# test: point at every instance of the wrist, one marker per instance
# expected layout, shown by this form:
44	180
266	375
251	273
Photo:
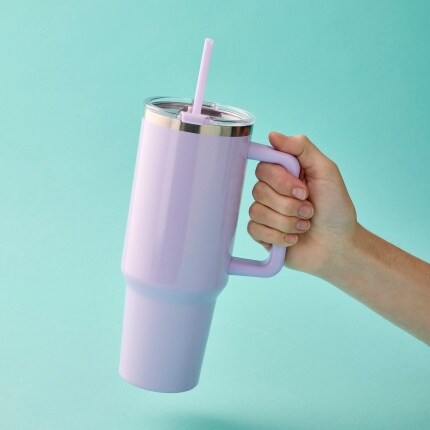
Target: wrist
342	255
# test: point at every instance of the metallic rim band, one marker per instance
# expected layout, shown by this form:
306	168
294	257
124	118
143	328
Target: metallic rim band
209	130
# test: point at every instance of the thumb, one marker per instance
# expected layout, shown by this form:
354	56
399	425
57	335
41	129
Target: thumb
309	156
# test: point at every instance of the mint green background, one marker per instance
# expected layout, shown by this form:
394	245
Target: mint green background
290	352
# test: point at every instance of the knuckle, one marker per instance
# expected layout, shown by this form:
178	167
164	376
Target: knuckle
288	207
280	183
334	166
258	190
259	170
255	191
253	210
272	175
251	228
277	182
275	237
330	166
287	225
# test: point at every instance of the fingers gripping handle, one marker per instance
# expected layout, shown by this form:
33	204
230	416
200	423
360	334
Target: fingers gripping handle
266	153
274	262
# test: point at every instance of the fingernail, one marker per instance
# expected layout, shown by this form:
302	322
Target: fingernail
306	211
290	239
303	225
299	193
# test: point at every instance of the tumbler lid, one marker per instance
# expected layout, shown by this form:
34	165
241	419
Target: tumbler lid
221	120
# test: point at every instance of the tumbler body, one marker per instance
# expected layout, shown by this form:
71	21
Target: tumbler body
179	238
183	211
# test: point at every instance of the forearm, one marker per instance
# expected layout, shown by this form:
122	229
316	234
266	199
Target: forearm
386	279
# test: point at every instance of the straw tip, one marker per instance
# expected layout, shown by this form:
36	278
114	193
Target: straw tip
209	41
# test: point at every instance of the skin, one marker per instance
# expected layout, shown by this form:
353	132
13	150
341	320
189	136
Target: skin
315	217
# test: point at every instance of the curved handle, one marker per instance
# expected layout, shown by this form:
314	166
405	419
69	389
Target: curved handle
274	262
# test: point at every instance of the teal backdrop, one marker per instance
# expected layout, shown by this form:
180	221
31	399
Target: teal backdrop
291	352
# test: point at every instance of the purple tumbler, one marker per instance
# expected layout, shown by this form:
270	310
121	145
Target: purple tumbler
180	232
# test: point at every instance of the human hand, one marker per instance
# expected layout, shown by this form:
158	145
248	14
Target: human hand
313	213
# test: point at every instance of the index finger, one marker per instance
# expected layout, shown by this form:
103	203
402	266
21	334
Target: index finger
281	180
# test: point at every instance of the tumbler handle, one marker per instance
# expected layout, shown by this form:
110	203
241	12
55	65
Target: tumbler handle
274	262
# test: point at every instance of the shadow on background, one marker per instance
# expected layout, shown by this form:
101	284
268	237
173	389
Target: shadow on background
211	422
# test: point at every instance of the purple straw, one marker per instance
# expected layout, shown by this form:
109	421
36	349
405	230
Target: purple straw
203	74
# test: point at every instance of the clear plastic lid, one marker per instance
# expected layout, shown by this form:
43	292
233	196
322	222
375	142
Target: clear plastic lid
217	115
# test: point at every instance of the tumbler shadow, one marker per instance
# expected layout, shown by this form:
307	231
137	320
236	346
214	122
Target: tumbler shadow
213	422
